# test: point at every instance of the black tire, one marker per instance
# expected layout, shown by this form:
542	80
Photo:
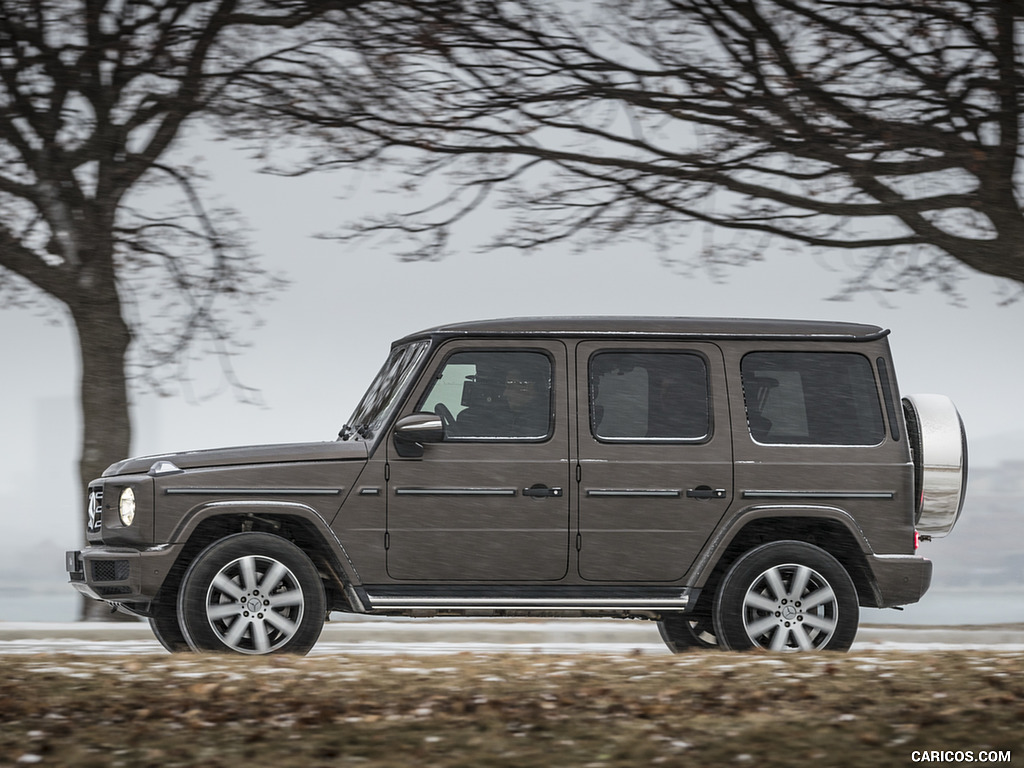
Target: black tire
684	632
786	596
164	623
252	593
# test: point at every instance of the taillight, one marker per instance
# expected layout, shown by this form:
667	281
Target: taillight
917	540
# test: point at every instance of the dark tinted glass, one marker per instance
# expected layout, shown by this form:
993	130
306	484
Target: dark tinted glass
811	398
493	395
649	395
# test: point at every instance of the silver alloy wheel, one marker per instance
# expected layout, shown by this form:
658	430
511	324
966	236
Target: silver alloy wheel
790	607
254	604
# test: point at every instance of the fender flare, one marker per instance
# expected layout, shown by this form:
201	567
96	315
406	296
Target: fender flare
724	536
266	507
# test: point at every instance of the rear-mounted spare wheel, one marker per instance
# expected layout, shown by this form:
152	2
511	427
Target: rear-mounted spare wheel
939	445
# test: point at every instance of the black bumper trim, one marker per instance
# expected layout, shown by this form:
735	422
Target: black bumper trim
899	579
118	574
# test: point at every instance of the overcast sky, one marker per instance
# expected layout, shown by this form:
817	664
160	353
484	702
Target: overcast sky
324	338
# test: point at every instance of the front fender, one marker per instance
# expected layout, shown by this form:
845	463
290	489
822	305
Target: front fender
271	509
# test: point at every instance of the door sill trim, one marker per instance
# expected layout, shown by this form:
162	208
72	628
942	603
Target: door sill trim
569	599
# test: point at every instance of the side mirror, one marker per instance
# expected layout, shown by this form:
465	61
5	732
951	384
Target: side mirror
415	429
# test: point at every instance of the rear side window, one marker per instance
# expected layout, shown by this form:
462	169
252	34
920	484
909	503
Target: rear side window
811	398
649	396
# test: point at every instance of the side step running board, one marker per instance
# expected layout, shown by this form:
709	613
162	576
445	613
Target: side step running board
518	599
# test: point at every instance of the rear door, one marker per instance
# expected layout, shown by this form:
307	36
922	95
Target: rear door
655	457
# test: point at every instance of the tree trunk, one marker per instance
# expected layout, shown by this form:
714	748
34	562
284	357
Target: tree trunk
103	341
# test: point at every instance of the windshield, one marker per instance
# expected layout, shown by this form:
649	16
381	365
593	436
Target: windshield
383	395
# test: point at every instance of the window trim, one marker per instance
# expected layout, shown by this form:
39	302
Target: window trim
887	395
883	431
461	350
705	438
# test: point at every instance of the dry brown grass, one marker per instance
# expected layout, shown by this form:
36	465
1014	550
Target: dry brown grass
472	710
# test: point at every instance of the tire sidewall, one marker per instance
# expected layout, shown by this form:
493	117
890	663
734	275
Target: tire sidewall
167	630
678	634
728	607
192	614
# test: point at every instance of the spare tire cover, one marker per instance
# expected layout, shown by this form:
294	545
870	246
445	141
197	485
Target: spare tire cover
939	443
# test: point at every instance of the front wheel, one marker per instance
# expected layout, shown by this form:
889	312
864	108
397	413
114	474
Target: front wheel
786	596
165	626
683	632
252	593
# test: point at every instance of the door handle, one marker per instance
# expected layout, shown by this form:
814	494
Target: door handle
705	492
541	491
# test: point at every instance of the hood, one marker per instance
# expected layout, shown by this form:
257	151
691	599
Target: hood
249	454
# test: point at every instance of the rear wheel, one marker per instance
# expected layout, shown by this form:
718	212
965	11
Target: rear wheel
786	596
252	593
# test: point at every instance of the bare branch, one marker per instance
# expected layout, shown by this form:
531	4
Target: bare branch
838	125
93	96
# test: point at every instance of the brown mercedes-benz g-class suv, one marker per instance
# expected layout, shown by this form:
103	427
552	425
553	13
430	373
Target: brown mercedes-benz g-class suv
744	483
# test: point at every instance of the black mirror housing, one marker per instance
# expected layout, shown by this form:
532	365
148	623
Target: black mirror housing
412	431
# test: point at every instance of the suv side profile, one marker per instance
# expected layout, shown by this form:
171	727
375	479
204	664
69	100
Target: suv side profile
744	483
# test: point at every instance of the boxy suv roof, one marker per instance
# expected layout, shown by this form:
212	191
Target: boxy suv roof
675	327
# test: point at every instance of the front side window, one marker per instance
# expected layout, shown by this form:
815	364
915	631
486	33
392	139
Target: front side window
649	396
811	398
490	395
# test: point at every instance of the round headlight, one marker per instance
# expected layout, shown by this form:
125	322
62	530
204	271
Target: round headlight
126	506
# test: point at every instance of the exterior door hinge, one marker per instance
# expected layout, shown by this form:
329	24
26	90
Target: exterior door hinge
387	471
579	473
579	542
387	540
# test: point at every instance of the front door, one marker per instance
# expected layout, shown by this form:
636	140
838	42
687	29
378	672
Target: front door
655	457
490	502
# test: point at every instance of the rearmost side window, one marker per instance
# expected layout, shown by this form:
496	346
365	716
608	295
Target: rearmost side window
811	398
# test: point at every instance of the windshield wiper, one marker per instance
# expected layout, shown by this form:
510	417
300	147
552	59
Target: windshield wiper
345	433
364	431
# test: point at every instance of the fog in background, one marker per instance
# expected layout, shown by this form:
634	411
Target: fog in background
322	340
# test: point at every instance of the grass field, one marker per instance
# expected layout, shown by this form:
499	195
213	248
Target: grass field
515	710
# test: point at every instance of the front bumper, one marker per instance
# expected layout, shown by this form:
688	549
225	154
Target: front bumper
899	579
120	574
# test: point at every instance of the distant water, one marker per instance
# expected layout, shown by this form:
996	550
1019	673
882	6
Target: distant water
955	607
939	607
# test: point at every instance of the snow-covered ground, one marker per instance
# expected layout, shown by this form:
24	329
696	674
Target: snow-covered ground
432	636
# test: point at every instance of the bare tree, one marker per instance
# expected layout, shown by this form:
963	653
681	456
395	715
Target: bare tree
94	216
885	129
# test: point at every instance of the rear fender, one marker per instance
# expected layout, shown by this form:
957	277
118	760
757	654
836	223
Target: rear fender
777	522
